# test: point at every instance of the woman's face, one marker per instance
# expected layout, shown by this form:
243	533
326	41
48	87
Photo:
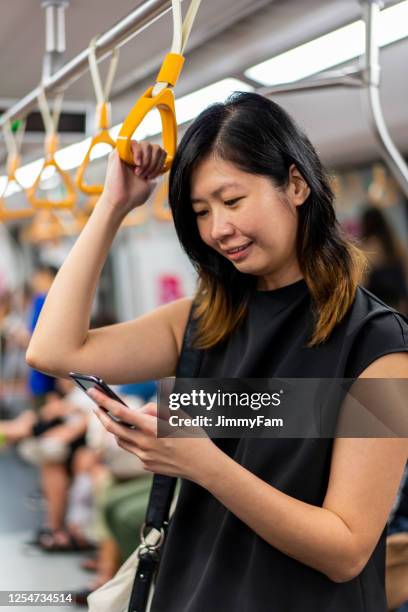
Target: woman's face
249	221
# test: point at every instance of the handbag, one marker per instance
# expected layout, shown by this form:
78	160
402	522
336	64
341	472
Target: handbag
127	591
115	595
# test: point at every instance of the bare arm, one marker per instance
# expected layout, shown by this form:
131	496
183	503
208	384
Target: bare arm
144	348
338	538
62	327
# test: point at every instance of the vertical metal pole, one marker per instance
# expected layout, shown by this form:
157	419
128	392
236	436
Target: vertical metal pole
54	36
371	79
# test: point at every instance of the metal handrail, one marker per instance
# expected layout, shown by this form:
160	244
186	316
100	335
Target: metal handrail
367	79
131	25
371	90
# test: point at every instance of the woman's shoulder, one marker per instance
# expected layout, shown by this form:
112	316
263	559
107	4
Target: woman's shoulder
375	330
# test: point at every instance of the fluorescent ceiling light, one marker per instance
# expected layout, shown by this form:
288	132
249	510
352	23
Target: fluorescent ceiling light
331	49
187	108
191	105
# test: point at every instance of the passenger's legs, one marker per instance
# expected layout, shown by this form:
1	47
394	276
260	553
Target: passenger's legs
55	483
17	429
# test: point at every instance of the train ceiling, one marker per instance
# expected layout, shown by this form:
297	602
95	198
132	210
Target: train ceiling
229	36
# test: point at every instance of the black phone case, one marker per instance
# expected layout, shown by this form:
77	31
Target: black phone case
95	381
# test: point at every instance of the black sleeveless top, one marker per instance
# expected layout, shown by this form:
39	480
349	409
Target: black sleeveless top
212	561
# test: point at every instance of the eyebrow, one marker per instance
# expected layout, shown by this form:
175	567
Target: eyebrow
216	192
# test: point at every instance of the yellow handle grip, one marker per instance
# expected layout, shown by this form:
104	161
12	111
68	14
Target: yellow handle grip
103	116
68	202
7	214
45	227
102	138
164	102
170	69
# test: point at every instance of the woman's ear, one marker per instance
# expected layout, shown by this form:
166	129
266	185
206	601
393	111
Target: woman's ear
298	190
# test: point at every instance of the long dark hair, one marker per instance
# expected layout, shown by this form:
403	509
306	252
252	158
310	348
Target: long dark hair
259	137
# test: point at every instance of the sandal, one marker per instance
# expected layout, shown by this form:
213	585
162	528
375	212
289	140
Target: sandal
39	534
90	564
61	540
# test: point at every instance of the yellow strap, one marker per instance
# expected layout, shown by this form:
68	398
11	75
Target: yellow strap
51	145
102	116
68	202
102	137
161	96
13	145
8	214
45	227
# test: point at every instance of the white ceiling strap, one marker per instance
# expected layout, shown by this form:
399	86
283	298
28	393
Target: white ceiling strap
181	33
102	92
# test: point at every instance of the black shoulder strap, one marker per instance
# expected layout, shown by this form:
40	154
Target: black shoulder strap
162	491
190	358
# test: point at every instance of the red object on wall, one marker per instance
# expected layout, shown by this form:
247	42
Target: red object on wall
170	288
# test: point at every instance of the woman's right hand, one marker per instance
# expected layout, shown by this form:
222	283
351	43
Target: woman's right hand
127	187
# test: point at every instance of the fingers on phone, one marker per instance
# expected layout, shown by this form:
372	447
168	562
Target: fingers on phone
149	159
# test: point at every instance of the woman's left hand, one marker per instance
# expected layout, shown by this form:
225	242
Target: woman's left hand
190	458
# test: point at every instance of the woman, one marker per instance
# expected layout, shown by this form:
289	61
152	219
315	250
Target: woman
388	274
285	524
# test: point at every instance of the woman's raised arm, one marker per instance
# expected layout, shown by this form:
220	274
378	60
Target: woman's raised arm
62	340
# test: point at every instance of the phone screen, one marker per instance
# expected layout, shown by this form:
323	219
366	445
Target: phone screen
88	381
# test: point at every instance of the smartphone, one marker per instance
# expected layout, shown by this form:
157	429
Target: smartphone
88	381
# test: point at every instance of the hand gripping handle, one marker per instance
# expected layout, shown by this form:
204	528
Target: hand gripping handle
164	102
